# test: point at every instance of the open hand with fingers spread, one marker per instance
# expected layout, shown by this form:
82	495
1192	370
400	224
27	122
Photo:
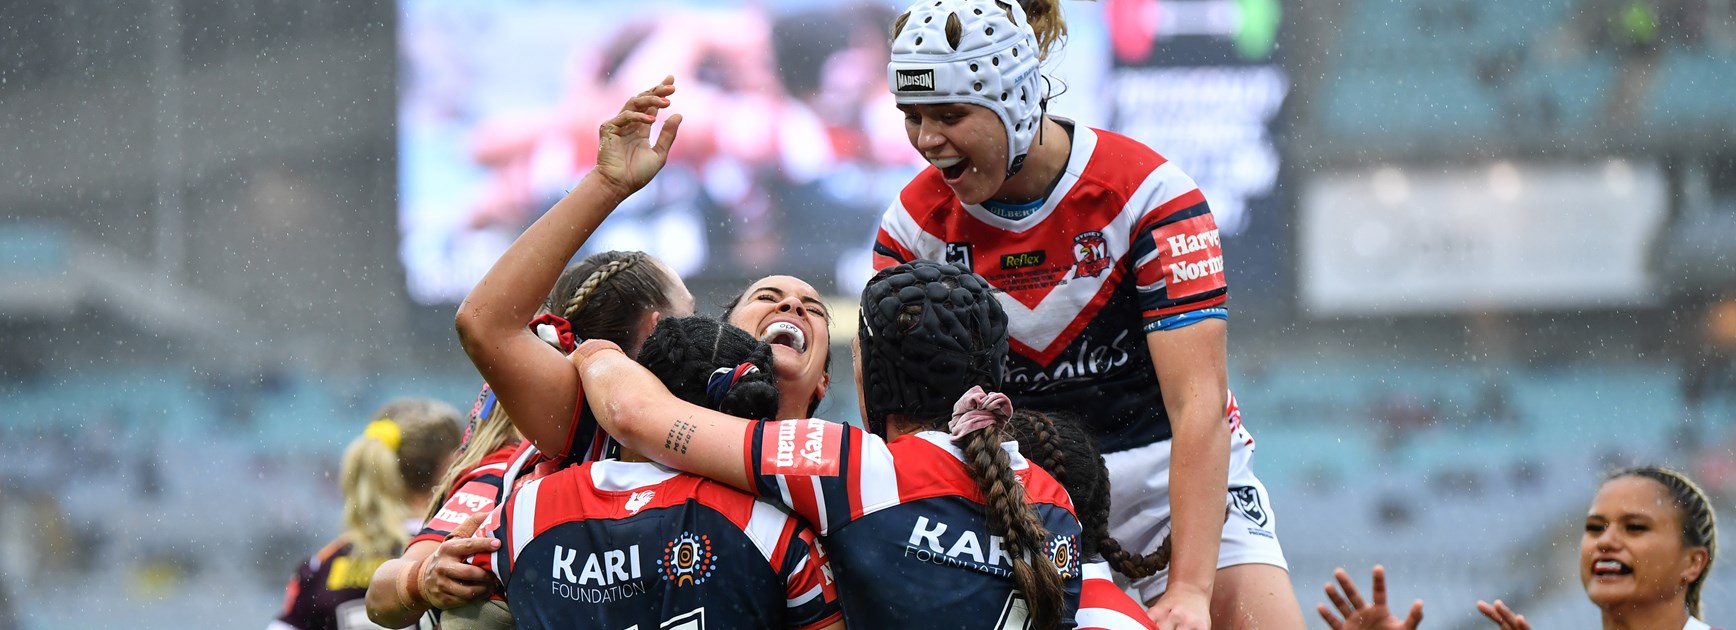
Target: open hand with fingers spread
1504	617
1358	614
626	160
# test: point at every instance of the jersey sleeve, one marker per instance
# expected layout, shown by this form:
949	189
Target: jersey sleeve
476	494
810	466
1176	255
890	243
811	600
499	563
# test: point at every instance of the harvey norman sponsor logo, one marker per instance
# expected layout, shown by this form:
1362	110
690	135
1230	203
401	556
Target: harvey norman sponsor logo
914	81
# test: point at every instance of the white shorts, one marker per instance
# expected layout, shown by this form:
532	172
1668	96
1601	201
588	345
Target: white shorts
1139	509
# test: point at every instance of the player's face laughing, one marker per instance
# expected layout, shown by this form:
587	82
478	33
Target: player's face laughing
789	314
967	143
1632	554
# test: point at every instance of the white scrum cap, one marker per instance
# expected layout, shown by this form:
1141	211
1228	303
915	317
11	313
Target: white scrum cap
994	65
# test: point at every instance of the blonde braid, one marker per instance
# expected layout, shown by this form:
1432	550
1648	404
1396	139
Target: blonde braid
597	278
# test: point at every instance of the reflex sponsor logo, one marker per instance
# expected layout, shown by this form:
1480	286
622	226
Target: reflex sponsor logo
1191	255
804	447
915	81
1023	259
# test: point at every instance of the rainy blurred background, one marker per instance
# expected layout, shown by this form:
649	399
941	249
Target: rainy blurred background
1480	251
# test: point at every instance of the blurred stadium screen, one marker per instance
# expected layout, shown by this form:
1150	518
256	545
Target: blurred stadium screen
791	147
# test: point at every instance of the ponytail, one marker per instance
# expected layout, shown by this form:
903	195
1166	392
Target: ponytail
374	491
1060	445
397	454
1006	509
1047	23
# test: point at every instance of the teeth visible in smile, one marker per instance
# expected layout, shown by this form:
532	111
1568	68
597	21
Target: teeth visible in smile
946	163
1608	566
787	334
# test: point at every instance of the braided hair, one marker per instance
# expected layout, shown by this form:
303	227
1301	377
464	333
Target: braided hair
1699	522
1062	446
686	353
606	295
929	332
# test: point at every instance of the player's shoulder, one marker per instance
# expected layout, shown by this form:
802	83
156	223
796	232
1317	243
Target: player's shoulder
926	193
1118	162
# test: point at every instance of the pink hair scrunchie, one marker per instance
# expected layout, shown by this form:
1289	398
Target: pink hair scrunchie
977	409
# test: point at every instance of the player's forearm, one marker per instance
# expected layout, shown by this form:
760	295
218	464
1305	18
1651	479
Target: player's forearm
512	290
1198	480
385	605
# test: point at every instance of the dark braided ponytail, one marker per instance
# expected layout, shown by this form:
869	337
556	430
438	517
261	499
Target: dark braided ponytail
1011	517
928	333
1059	444
687	352
1699	522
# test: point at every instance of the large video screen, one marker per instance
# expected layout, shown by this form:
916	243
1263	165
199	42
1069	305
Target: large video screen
791	147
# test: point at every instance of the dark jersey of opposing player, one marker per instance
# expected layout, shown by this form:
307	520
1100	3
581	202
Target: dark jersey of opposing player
1123	245
326	592
613	544
903	524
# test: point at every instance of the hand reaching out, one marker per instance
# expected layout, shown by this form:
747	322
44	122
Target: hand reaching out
1504	617
1359	615
625	158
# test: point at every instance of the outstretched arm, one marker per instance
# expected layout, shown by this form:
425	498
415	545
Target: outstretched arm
1190	364
636	409
537	387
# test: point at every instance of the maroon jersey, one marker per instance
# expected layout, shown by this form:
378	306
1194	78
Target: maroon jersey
326	592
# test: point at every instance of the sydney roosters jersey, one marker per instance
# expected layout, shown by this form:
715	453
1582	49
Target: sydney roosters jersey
475	492
903	524
613	544
1124	242
1104	606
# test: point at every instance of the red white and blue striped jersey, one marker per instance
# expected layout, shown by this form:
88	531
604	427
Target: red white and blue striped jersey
475	492
613	544
903	524
1104	606
1123	245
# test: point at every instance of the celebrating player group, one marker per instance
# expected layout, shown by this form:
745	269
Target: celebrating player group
1048	437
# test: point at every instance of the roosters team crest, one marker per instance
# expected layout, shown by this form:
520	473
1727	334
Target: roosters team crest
1092	253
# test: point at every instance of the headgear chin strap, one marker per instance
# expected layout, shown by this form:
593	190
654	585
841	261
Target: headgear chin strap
959	341
995	65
